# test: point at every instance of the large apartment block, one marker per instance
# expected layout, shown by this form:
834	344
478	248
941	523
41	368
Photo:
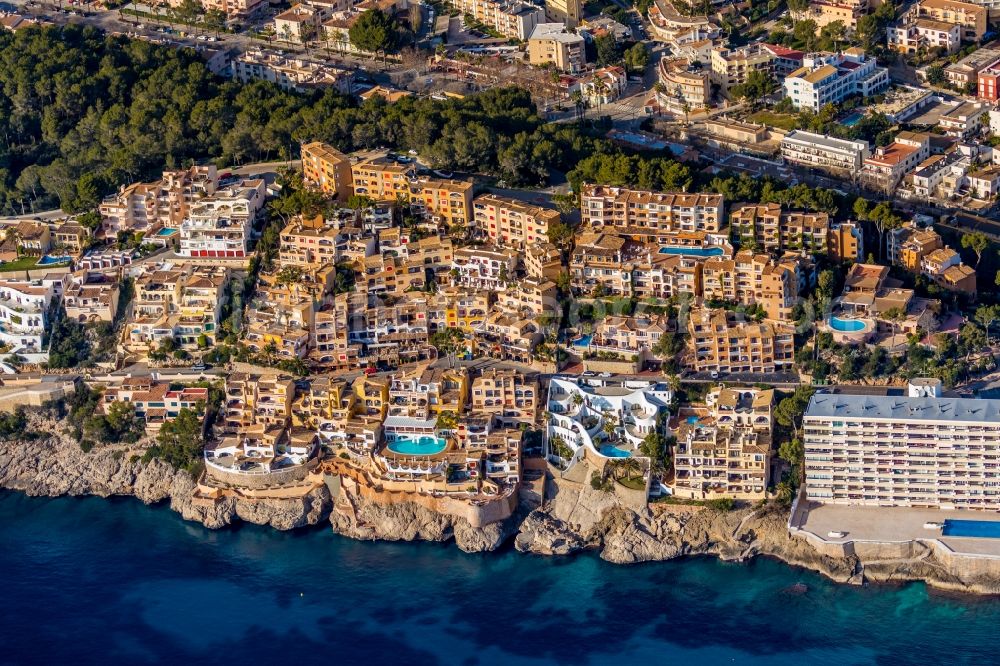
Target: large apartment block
511	18
554	43
776	230
327	169
724	448
220	226
506	395
826	153
972	18
753	279
919	450
725	343
445	201
829	78
731	67
162	203
567	12
650	215
510	222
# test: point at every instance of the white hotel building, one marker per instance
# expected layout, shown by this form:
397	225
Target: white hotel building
920	450
819	151
829	78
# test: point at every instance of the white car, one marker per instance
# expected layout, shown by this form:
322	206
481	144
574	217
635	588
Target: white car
202	38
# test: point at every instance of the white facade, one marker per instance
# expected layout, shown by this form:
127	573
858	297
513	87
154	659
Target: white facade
820	151
922	451
23	312
220	226
579	408
829	78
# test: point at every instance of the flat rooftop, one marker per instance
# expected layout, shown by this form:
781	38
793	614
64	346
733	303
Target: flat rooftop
903	408
892	524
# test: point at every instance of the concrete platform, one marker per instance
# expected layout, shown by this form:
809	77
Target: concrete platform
891	525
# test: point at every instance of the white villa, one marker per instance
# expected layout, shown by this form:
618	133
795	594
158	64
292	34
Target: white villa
23	309
579	408
261	451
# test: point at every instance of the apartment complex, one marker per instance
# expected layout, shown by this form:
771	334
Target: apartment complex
506	395
220	226
257	397
154	402
829	78
554	43
966	71
883	170
159	204
723	342
687	86
511	18
646	214
972	18
293	73
846	241
913	35
180	305
724	448
510	222
918	450
233	9
444	201
24	307
327	169
567	12
753	279
818	151
773	229
730	67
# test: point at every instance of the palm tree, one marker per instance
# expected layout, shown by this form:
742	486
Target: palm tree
14	235
894	316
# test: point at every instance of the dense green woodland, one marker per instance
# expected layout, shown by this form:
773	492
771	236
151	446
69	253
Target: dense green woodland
82	112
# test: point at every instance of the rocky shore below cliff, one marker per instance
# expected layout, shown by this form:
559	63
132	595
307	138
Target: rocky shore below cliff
574	519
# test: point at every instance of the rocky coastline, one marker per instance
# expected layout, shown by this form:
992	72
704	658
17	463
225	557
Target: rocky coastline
574	519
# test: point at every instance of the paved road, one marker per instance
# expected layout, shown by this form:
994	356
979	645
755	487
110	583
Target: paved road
121	22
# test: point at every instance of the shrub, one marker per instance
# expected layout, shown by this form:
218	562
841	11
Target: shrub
721	504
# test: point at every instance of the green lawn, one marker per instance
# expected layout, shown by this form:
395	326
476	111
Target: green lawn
785	121
633	482
20	264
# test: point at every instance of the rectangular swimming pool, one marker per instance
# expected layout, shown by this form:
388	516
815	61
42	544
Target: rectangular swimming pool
987	529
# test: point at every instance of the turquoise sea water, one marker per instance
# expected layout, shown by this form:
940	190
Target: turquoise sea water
91	581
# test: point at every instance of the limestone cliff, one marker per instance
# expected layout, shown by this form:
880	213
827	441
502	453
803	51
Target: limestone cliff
56	465
357	518
575	518
578	518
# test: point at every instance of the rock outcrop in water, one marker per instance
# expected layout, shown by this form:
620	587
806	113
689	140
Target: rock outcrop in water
575	517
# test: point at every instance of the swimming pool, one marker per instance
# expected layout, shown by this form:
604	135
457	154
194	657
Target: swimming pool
613	451
166	231
846	325
971	528
853	119
583	341
48	260
693	251
421	446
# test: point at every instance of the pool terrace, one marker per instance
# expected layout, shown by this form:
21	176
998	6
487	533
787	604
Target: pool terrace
876	524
